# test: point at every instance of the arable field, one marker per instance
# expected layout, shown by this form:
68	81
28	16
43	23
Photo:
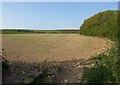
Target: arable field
51	47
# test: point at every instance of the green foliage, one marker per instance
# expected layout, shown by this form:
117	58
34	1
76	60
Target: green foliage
13	31
103	24
104	71
99	74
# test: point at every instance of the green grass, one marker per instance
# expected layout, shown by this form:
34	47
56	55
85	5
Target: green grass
7	31
13	31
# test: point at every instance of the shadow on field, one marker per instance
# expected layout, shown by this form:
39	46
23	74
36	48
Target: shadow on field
22	72
19	72
77	71
45	72
56	72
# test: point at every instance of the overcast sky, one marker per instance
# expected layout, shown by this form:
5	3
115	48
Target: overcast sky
51	15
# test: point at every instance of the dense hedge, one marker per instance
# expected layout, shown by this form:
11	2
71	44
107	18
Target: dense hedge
103	24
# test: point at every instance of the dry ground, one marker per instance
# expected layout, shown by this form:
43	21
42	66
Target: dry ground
51	47
65	54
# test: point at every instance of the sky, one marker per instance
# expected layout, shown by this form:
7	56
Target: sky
51	15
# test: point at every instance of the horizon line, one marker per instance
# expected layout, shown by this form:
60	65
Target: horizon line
40	29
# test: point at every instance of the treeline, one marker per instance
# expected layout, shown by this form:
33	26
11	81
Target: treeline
103	24
21	31
15	31
107	69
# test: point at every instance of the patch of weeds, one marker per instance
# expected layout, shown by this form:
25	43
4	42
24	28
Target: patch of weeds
98	74
105	69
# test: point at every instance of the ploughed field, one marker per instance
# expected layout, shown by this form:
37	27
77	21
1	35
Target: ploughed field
51	47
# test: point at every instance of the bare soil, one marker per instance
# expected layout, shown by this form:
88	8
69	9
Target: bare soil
65	54
51	47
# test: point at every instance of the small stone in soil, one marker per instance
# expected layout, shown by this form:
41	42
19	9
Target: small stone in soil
65	80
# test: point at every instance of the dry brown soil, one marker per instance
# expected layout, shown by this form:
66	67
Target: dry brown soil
51	47
65	55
